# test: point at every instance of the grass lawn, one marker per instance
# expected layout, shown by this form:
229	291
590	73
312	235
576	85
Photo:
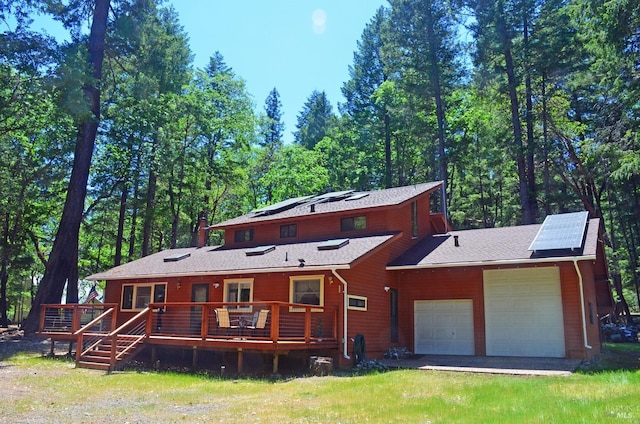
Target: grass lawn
36	389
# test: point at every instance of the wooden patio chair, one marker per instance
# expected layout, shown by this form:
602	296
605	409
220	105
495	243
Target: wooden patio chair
259	321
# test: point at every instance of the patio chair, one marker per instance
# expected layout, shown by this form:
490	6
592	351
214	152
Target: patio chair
259	321
222	318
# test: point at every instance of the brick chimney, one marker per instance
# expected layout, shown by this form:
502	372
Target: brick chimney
202	230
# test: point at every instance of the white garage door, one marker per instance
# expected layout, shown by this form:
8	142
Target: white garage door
523	312
443	327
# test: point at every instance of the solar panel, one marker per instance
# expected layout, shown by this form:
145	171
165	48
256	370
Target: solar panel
177	257
559	232
280	206
333	244
356	196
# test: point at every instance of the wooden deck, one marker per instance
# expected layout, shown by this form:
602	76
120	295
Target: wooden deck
189	325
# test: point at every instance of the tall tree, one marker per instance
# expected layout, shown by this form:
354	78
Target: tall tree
63	260
314	120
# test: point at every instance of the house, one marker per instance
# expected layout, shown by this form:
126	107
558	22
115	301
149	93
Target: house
380	265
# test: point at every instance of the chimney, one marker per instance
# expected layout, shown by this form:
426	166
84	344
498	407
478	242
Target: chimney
313	208
456	243
202	231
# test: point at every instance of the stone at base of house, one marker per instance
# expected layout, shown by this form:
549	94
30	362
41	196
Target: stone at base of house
321	365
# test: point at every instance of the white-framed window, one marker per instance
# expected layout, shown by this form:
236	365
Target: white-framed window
356	303
308	290
136	297
238	290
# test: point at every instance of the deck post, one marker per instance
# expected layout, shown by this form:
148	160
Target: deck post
194	358
275	363
53	344
154	354
240	361
70	348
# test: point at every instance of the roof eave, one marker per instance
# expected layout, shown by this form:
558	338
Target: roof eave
221	272
491	263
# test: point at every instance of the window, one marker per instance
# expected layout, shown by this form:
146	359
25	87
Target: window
357	303
353	223
238	291
414	219
290	230
243	235
308	290
136	297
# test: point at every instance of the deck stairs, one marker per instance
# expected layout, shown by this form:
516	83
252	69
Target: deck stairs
111	351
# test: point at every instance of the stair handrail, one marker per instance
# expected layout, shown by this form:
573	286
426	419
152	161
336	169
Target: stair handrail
79	334
114	334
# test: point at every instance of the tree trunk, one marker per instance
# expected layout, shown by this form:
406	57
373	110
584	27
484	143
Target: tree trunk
531	144
64	253
437	94
117	260
523	187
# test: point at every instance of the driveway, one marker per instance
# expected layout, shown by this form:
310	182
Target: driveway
488	364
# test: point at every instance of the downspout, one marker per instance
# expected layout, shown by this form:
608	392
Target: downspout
345	349
584	320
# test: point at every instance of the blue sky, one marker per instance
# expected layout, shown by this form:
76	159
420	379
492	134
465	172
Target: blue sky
296	46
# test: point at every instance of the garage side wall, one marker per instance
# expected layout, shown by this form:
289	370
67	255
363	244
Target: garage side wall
441	284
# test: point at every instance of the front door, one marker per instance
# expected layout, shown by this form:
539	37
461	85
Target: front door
199	293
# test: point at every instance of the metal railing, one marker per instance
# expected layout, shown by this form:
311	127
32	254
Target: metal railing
61	318
285	321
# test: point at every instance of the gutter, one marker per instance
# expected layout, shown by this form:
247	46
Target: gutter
345	350
584	319
523	261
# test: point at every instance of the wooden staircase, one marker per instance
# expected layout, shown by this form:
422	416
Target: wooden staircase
111	351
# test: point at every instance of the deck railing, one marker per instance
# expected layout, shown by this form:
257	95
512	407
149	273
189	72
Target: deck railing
70	318
285	321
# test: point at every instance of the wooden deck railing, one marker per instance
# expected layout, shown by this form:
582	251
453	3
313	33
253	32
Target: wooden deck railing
286	322
68	319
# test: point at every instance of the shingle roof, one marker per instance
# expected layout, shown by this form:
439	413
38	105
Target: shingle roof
372	199
487	246
220	260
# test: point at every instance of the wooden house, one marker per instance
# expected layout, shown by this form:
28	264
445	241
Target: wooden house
345	271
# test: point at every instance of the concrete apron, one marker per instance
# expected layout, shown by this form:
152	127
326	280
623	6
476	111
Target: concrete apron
488	364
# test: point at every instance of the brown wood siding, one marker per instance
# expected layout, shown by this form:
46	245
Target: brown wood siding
441	284
467	283
327	226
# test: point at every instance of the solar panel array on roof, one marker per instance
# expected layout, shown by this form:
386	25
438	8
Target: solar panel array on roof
281	206
561	232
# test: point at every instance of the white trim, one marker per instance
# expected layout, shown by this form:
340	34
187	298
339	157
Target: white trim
493	263
584	319
239	281
294	278
357	308
345	322
136	286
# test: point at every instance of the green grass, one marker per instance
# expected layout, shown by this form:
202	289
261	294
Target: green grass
36	388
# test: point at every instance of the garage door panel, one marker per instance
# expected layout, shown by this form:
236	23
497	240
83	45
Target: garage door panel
444	327
523	312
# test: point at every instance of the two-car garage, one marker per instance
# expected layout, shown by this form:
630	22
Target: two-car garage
523	316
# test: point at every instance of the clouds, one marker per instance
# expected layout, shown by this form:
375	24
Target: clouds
319	21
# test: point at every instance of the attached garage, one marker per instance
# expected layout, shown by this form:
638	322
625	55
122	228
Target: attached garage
523	312
444	327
